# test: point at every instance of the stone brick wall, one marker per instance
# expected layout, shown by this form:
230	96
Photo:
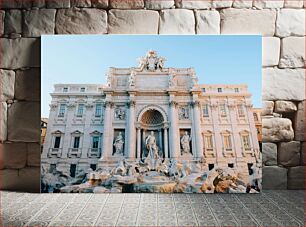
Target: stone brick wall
281	22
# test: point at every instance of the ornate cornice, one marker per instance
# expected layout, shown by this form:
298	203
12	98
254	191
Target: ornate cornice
173	103
108	104
131	103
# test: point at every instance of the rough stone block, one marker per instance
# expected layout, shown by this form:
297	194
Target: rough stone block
191	4
293	4
133	22
33	158
3	121
24	122
208	22
126	4
27	85
296	176
248	21
159	4
293	52
81	21
13	155
270	51
55	4
39	22
261	4
274	177
13	22
289	154
7	80
299	122
177	21
290	22
20	53
285	107
25	180
39	3
269	154
267	108
2	15
277	129
242	4
103	4
283	84
15	4
221	3
80	3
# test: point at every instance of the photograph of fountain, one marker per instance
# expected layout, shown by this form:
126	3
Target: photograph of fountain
174	114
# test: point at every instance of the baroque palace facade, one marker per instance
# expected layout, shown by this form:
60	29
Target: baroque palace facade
150	107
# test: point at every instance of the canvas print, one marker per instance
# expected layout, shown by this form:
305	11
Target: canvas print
173	114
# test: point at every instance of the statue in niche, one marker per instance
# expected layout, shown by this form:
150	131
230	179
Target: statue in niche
153	157
120	114
132	79
118	144
184	113
185	143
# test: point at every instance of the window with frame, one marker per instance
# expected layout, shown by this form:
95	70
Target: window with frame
65	89
208	142
203	90
205	110
98	111
246	142
227	142
57	142
240	110
80	111
237	90
82	89
219	90
62	110
223	110
95	142
76	142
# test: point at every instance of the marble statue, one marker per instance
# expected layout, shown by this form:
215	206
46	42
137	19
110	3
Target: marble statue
132	79
184	113
119	141
151	145
119	114
185	143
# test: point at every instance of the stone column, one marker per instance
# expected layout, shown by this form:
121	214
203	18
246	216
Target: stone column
173	131
196	124
217	131
107	139
66	143
138	142
236	136
253	131
143	140
166	141
160	138
87	130
131	133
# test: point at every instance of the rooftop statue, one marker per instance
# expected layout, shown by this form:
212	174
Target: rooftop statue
151	61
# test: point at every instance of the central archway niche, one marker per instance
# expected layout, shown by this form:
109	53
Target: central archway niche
150	119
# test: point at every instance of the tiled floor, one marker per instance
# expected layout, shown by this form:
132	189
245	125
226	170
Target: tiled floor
271	208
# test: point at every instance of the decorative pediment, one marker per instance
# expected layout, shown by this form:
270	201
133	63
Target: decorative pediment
96	132
76	132
57	132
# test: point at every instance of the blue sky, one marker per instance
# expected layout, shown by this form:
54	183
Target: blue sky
86	58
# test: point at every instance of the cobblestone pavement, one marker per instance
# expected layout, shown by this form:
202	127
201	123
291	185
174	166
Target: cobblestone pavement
270	208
